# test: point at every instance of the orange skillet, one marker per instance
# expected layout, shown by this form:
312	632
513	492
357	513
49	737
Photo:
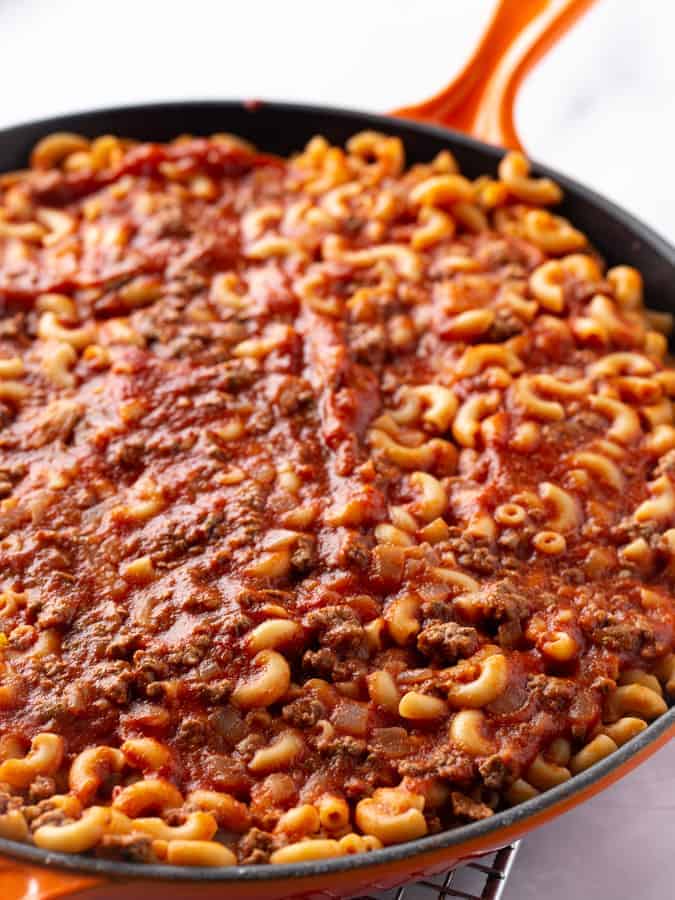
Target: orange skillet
480	103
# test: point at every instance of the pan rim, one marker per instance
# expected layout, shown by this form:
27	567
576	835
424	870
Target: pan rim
618	212
446	840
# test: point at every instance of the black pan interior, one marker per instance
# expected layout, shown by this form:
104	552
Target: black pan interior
284	128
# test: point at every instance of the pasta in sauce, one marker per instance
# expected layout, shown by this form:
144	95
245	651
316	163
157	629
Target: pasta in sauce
337	499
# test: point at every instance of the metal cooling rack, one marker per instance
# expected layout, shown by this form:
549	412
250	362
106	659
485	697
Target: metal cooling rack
484	879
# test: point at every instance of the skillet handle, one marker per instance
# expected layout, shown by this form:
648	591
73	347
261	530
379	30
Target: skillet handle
21	881
480	100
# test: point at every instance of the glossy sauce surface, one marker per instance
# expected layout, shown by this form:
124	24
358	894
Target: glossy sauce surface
209	458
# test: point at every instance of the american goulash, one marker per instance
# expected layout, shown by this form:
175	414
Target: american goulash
337	499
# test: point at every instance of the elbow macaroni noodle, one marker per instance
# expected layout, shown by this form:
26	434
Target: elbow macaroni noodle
316	476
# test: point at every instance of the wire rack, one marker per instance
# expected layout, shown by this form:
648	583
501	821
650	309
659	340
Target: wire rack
483	879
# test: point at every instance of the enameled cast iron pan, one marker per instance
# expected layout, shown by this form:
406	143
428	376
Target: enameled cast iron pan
479	101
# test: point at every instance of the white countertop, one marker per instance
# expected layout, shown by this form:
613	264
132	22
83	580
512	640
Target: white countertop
618	845
601	108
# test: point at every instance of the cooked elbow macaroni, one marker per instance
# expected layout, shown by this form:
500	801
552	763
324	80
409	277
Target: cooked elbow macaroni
327	486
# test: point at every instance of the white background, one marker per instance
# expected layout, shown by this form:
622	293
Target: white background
601	108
